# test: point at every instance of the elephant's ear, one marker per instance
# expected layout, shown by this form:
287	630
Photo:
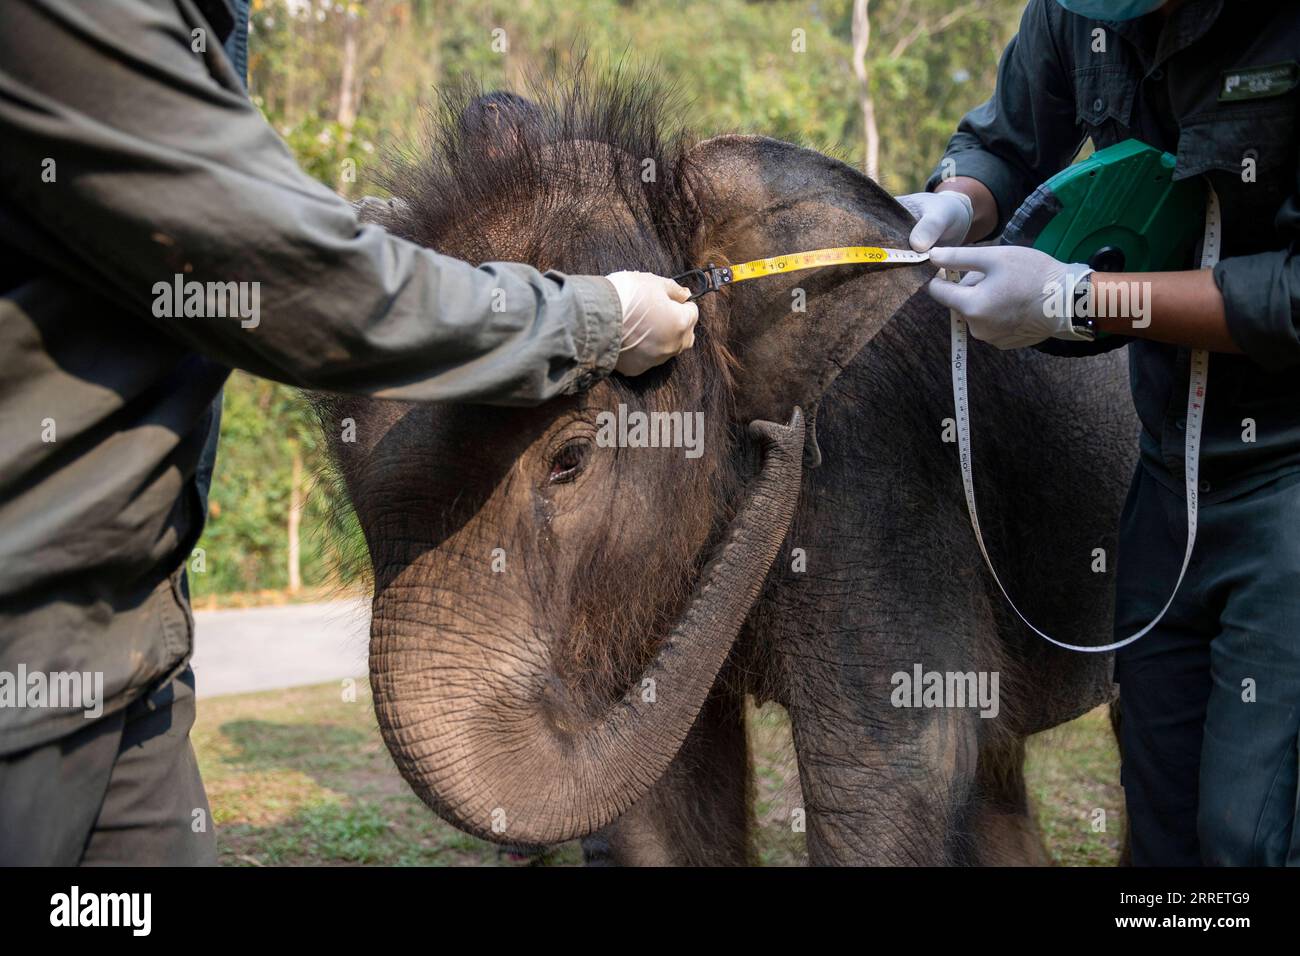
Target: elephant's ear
763	197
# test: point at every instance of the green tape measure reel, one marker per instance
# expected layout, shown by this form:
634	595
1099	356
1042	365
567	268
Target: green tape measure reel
1119	210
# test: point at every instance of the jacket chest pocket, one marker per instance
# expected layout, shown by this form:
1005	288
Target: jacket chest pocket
1103	104
1248	152
1254	144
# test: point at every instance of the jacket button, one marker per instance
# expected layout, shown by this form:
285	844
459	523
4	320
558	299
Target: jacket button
1182	424
1098	104
1205	487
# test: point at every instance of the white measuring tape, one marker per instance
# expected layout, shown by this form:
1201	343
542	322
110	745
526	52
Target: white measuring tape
1200	368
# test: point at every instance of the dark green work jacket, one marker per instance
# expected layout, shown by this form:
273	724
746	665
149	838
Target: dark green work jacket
1218	86
129	156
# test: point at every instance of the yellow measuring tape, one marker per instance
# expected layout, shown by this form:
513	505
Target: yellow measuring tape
713	278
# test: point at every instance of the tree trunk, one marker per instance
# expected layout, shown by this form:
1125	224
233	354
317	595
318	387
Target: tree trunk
349	97
295	519
347	114
871	132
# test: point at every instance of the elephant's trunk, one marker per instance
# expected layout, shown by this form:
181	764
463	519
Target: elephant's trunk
491	743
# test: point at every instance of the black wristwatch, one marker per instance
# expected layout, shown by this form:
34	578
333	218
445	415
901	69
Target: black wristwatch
1083	320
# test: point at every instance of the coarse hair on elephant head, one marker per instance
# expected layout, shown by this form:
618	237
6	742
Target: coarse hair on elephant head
550	613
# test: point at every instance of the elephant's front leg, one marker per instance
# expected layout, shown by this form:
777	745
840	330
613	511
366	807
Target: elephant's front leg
884	788
699	813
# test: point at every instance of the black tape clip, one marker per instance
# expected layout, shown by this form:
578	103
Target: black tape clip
703	281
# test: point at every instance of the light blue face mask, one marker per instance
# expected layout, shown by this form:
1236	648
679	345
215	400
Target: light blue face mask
1111	9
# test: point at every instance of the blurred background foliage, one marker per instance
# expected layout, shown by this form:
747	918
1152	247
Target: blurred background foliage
880	84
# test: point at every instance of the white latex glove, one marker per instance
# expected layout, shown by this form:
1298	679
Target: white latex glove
1012	296
658	322
940	217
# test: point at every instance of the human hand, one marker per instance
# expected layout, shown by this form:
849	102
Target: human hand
941	217
658	322
1011	296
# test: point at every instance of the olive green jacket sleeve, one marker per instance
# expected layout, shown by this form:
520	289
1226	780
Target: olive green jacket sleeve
131	156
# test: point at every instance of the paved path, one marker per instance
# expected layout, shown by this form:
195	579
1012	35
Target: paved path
266	648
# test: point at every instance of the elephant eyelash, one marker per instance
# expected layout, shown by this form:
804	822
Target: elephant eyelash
569	462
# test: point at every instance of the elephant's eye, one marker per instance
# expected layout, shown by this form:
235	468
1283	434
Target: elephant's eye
569	461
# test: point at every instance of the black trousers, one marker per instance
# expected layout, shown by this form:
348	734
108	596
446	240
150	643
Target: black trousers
125	790
1211	698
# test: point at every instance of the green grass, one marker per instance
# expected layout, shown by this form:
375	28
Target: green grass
301	777
1072	773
